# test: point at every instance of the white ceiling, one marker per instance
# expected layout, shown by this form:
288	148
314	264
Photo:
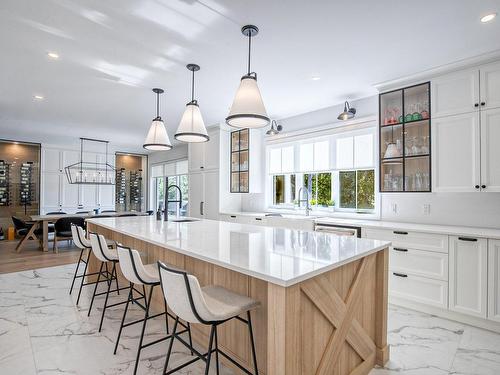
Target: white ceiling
113	52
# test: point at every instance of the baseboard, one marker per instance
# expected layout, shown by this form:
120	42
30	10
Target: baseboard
447	314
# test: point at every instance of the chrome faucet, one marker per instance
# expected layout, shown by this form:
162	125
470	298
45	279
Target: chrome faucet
165	213
308	207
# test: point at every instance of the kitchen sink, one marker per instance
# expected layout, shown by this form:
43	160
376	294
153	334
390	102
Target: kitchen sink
183	220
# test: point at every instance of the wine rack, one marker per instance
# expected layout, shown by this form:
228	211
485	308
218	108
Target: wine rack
26	187
4	183
135	185
120	187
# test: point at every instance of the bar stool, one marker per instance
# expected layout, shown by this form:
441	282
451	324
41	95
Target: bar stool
211	305
83	244
146	275
104	255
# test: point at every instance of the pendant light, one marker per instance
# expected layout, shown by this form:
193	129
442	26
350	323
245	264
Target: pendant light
348	112
248	110
157	138
192	128
275	128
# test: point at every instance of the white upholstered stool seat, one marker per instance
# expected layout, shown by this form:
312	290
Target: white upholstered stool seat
224	304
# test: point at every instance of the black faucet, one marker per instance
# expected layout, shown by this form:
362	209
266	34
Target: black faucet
165	212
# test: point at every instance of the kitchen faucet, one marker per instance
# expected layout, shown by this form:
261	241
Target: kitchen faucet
308	207
165	213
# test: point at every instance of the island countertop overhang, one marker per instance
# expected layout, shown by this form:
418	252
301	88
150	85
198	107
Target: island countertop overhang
277	255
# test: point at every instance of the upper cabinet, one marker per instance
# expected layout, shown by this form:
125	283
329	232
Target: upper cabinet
490	86
455	93
456	153
205	155
405	156
466	129
466	91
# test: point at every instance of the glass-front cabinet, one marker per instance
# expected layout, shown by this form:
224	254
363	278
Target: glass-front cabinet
405	121
240	161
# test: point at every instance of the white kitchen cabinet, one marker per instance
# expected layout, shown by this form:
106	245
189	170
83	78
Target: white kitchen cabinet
204	156
204	195
494	280
51	160
468	275
51	183
490	85
455	93
456	156
211	199
490	150
418	289
408	239
429	264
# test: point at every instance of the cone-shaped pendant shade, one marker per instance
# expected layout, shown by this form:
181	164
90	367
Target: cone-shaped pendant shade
157	138
248	110
192	127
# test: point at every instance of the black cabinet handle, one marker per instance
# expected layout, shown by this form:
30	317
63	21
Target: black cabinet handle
233	216
202	167
483	103
483	186
399	232
400	249
476	105
258	218
467	239
399	274
477	186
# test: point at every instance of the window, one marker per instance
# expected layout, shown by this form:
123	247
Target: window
163	175
337	171
357	190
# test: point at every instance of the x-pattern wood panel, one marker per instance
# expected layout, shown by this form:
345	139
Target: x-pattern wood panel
341	315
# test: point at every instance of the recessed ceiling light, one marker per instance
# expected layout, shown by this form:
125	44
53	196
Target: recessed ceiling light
488	17
38	97
315	78
53	55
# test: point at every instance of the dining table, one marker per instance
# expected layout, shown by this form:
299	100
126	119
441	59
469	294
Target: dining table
43	221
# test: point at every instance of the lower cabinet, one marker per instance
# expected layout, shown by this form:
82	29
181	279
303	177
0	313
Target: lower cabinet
494	280
468	275
418	289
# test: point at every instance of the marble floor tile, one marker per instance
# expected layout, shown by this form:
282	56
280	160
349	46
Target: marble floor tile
478	353
44	332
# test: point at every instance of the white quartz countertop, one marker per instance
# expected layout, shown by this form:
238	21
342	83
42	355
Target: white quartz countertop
277	255
453	230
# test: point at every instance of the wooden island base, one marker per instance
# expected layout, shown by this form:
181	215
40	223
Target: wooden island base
333	323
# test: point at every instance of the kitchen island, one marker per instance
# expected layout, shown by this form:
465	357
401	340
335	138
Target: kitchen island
324	297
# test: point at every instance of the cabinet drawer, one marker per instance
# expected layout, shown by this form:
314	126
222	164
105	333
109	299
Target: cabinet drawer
418	289
420	263
407	239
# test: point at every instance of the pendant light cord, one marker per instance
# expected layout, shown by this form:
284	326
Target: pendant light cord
249	50
192	88
157	104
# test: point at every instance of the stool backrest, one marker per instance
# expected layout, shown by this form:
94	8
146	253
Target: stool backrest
132	266
100	247
78	235
183	295
64	223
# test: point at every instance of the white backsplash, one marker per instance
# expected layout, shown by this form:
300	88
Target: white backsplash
469	209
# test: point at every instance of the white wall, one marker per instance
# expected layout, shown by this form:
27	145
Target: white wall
469	209
179	151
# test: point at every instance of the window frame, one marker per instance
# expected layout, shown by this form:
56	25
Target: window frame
350	131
